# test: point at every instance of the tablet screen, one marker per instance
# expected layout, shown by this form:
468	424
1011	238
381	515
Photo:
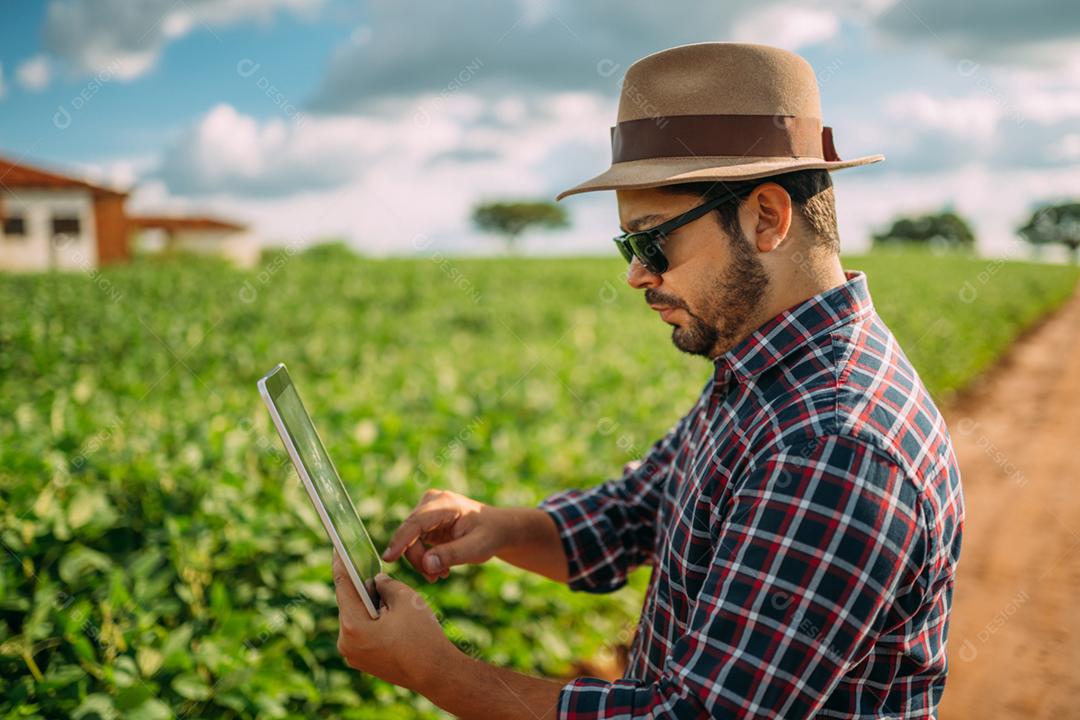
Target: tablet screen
327	482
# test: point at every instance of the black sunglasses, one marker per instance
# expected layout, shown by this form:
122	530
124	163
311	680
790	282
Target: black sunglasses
646	244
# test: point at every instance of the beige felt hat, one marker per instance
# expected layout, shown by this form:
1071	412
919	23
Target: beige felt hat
716	111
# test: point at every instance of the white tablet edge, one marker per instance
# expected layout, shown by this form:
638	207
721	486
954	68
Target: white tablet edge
314	495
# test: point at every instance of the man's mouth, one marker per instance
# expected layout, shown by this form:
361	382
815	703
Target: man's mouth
664	310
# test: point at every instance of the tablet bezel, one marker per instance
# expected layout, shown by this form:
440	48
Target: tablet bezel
270	386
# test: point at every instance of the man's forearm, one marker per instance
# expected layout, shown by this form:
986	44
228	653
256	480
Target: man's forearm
471	688
533	543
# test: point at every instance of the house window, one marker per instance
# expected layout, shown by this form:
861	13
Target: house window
65	225
15	226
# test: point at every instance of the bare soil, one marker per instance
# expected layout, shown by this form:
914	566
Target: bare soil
1014	636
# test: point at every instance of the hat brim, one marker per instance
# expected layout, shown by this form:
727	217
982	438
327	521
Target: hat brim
655	172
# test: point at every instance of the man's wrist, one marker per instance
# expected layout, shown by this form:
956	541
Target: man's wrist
430	674
529	539
470	688
518	526
509	527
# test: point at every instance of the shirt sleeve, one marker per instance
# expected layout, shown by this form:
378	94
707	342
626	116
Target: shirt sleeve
610	529
813	545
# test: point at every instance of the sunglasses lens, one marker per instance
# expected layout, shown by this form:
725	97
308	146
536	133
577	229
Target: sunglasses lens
624	249
649	252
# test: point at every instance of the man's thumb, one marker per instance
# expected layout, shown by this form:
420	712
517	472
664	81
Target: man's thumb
446	555
388	588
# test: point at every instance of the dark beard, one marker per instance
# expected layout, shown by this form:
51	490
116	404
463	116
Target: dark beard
728	307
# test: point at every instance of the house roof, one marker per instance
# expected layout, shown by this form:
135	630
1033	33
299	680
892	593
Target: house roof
186	222
19	175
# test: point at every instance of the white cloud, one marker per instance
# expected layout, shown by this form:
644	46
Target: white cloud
973	117
1001	123
787	26
1036	32
384	182
548	45
227	151
119	173
1049	107
34	74
1069	147
126	39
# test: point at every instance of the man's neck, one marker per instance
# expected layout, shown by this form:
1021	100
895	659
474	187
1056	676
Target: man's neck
803	281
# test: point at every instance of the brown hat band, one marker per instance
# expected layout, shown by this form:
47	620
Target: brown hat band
736	135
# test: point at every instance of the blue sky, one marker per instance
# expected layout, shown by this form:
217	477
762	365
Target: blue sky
385	122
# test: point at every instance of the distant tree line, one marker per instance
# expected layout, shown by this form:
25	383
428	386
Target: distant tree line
1049	224
1054	224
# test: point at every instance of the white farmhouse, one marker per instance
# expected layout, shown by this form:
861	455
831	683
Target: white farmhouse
167	234
53	221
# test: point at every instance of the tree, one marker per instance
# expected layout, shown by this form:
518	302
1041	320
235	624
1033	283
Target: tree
512	218
1054	224
944	229
329	249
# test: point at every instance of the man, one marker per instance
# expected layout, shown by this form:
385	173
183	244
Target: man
803	519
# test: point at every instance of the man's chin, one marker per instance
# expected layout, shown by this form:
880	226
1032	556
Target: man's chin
689	342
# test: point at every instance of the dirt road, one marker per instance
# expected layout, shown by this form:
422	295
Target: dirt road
1014	637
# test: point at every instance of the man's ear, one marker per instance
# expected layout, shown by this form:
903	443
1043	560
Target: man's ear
773	209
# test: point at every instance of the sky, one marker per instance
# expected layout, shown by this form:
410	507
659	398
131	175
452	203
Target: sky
383	123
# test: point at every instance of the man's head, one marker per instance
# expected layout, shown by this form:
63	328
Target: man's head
737	266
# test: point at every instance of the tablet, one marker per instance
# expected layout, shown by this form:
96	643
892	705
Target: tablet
324	486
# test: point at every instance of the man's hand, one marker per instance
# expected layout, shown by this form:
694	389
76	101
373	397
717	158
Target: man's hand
404	646
457	529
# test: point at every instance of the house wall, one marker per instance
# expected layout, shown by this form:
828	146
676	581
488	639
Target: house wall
239	247
38	250
208	242
111	225
244	249
149	240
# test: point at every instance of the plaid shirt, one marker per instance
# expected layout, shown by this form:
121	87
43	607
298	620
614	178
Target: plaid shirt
803	522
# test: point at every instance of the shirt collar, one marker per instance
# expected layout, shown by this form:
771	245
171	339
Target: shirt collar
795	327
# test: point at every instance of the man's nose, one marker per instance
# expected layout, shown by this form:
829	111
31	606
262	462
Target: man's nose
639	277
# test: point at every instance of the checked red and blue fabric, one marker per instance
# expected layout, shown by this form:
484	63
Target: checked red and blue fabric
803	522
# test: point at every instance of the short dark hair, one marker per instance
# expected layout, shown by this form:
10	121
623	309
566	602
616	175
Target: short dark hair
811	192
